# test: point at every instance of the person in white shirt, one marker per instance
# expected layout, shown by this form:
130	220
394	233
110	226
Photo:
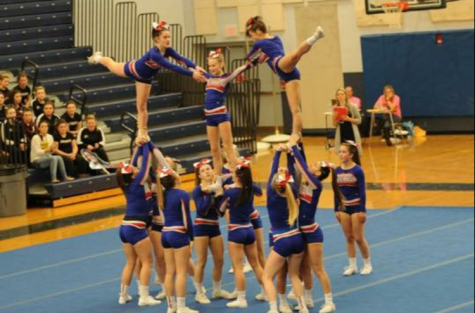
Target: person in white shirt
42	149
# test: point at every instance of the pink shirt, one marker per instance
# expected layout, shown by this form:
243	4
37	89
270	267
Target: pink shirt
356	101
382	104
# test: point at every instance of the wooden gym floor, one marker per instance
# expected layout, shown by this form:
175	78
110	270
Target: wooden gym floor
434	172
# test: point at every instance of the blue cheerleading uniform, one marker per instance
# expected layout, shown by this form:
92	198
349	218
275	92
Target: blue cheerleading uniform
217	89
309	194
134	226
147	67
272	51
287	239
207	217
241	230
352	184
178	229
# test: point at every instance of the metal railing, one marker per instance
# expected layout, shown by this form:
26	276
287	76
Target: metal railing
80	101
144	31
125	30
36	71
14	146
131	131
195	49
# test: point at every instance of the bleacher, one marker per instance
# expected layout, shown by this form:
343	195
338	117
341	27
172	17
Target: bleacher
43	32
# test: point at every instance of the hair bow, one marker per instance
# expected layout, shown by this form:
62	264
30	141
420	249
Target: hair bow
165	172
285	179
216	54
326	164
246	160
126	169
162	25
354	144
250	22
242	165
200	164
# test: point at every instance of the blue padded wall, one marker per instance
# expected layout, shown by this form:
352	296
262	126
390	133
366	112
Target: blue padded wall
432	80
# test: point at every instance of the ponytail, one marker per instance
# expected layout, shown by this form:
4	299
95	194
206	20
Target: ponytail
161	195
245	176
294	210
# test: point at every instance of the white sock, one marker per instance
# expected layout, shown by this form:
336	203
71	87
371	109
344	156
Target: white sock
273	306
97	58
241	295
181	303
309	294
283	300
367	262
316	37
124	290
199	288
329	298
171	302
353	263
216	286
144	291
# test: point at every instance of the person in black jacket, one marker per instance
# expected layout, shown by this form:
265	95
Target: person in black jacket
13	138
93	138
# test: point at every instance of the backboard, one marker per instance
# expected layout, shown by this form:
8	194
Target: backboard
377	6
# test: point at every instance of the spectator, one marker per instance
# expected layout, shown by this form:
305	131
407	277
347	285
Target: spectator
38	104
14	100
48	116
42	149
4	83
72	118
67	148
390	104
93	138
24	89
29	128
352	99
2	107
13	138
347	124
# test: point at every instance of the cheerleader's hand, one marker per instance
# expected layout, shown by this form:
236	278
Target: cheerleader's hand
199	77
201	70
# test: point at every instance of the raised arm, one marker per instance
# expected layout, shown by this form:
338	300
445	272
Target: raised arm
181	59
275	167
172	67
238	72
257	190
224	205
145	168
302	165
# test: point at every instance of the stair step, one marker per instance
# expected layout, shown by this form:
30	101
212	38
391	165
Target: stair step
45	44
62	70
176	131
33	33
186	146
25	9
5	2
112	138
164	117
85	81
119	145
36	20
14	62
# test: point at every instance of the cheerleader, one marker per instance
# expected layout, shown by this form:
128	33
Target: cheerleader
271	50
133	231
349	185
217	116
310	189
288	240
177	237
144	70
207	231
239	198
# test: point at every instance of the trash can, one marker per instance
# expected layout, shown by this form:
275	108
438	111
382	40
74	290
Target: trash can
13	197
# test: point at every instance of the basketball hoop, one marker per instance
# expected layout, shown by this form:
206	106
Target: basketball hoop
394	11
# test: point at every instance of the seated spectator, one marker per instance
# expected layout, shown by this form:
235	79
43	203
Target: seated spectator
347	124
93	138
14	100
3	107
67	148
352	99
24	89
73	118
4	83
13	138
40	101
29	128
389	103
49	117
42	150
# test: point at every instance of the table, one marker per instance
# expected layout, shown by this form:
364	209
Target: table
375	112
